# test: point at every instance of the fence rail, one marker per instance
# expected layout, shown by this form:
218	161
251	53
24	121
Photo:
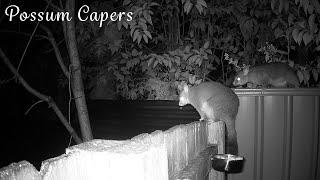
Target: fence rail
182	152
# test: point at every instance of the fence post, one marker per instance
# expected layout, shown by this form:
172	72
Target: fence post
216	136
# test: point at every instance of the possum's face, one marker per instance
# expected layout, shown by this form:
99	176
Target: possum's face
241	78
184	96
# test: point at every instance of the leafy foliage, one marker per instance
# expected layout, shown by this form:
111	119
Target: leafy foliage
189	40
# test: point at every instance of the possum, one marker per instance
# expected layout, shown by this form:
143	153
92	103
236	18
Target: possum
267	75
214	102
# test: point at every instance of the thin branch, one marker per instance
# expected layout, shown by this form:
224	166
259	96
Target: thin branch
1	18
25	50
40	101
70	99
51	49
54	7
281	52
24	34
6	81
56	50
41	96
34	31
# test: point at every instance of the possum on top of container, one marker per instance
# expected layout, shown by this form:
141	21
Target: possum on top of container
214	102
267	75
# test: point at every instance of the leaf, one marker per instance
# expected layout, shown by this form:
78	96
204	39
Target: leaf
170	65
199	61
199	8
310	9
148	34
187	49
317	48
119	24
165	62
311	22
315	74
138	10
135	35
154	4
316	5
132	31
177	75
196	51
295	34
150	61
300	36
139	39
177	60
274	24
286	6
306	75
307	37
155	63
280	6
125	24
208	51
300	76
291	63
134	52
187	7
206	45
145	38
119	76
272	4
278	32
202	3
192	59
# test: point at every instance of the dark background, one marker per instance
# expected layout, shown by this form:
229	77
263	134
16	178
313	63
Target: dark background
39	135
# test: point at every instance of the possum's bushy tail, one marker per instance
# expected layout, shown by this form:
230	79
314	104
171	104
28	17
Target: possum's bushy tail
231	137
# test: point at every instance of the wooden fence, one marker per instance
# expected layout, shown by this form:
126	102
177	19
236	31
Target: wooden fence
182	152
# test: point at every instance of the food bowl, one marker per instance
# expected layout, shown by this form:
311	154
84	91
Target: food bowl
227	163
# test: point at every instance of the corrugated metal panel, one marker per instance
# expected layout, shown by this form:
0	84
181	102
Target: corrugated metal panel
278	133
125	119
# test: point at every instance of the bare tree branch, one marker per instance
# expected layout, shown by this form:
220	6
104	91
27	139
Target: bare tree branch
56	51
41	96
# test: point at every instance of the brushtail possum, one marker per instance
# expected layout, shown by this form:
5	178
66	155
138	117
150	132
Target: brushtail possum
267	75
214	102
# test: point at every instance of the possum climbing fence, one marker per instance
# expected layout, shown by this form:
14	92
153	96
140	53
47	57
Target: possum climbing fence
182	152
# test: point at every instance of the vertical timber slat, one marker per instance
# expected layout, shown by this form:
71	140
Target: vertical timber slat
216	135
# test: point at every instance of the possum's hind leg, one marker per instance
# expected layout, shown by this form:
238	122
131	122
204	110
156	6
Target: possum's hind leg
231	136
202	116
207	112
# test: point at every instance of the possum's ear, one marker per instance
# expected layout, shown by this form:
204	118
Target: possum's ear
180	85
185	88
246	71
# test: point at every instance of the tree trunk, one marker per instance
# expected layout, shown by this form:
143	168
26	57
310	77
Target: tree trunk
76	77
